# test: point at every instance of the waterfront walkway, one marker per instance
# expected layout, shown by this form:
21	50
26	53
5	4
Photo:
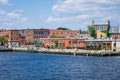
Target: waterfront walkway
70	51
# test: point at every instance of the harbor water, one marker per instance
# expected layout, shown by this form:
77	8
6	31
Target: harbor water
35	66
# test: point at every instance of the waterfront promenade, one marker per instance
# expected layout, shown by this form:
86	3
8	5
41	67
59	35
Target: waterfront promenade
69	51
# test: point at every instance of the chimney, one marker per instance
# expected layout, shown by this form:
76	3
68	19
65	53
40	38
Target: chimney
108	23
93	22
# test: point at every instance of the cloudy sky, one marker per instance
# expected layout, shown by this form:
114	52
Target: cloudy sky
73	14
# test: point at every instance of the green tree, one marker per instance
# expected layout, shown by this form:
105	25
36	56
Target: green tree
106	32
3	40
62	28
82	31
92	31
56	43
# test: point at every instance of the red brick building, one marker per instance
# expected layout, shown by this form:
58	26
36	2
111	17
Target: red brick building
28	36
25	36
64	33
12	36
22	38
63	43
34	34
40	33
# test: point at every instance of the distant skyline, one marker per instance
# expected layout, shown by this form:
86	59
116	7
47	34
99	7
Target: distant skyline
51	14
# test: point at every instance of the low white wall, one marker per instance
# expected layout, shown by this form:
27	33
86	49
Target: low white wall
19	48
117	45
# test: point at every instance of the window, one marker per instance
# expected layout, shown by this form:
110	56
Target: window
64	32
100	27
69	42
75	33
101	36
81	36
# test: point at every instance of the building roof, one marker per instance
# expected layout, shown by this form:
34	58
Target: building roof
100	24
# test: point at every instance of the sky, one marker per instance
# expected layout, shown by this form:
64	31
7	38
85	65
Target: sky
51	14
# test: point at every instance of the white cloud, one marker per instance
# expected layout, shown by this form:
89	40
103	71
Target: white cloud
84	11
64	19
4	2
72	6
11	19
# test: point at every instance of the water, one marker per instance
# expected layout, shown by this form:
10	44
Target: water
31	66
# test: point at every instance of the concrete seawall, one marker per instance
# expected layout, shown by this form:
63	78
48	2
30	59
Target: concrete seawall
5	49
70	51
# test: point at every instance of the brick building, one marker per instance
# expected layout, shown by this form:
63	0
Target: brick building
41	33
74	43
28	36
12	36
64	33
25	36
22	37
63	43
34	34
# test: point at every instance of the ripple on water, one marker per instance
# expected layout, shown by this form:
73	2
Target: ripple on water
30	66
